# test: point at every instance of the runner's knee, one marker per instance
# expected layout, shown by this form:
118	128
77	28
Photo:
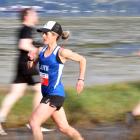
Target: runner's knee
16	95
37	89
64	129
33	123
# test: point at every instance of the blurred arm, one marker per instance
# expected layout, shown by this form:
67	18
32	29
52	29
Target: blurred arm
26	45
34	57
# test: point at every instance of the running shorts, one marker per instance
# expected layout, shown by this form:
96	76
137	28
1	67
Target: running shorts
54	100
26	75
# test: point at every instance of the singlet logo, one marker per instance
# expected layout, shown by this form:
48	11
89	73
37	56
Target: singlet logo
44	76
44	68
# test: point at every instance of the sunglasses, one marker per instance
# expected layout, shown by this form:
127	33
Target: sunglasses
46	33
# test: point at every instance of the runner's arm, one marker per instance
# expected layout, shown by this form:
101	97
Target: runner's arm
33	57
66	54
26	45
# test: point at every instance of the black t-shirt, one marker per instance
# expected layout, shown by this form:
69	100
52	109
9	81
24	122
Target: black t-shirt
25	32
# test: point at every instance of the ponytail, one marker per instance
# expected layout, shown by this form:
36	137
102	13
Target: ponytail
65	35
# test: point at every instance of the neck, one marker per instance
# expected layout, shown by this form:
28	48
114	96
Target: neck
51	46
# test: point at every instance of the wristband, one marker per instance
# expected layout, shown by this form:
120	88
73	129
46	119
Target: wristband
81	79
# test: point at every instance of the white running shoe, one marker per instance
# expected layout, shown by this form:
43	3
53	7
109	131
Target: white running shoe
42	128
2	132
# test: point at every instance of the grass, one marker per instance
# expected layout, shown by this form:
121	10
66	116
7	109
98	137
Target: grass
98	104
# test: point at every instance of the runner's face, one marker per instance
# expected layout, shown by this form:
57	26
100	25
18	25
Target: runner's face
32	16
49	38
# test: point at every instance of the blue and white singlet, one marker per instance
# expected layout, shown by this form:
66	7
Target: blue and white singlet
50	73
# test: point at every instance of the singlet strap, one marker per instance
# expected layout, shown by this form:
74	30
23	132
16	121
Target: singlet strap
44	48
56	53
56	50
58	58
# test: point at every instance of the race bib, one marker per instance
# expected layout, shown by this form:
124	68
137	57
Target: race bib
44	79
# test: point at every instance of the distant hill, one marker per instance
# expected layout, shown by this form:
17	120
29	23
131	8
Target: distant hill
77	8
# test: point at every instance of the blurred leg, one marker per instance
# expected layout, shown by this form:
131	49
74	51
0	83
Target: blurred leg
136	110
40	115
60	118
17	91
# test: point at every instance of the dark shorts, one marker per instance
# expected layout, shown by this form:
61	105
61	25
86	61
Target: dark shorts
26	75
29	79
54	100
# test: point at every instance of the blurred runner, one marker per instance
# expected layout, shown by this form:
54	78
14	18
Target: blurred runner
23	76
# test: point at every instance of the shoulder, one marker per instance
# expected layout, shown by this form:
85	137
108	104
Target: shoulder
27	28
64	52
25	32
42	49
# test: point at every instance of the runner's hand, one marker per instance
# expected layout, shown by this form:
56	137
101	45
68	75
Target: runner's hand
32	54
80	86
30	64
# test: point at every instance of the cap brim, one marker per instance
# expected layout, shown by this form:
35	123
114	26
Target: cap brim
44	30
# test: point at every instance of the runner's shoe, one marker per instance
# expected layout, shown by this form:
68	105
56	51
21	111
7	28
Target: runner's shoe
2	131
42	128
130	119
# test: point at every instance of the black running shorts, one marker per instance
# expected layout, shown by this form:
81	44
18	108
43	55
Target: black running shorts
26	75
54	100
29	79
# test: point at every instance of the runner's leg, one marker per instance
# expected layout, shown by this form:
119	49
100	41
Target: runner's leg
60	118
17	91
40	115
